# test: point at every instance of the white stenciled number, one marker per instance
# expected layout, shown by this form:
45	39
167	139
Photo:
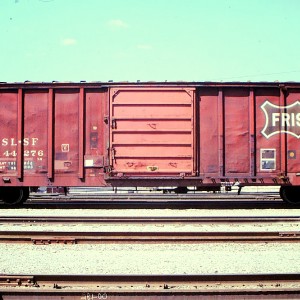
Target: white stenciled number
27	153
6	153
90	296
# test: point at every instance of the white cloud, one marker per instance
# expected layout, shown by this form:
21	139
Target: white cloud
68	42
116	23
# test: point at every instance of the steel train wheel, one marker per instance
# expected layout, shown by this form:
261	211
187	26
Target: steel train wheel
14	195
290	194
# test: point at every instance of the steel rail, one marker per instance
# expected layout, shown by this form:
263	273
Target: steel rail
117	285
81	237
147	219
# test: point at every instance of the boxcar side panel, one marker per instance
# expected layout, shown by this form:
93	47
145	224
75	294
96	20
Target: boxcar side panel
236	132
293	137
96	136
35	133
268	145
53	136
8	133
237	142
66	141
209	132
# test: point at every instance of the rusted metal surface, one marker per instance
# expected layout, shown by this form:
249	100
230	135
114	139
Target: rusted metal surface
147	220
152	131
64	237
52	136
149	134
11	280
151	285
96	296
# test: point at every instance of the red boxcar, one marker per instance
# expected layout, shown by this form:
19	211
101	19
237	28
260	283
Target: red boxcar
149	134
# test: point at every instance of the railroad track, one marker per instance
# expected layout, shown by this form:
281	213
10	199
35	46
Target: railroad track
113	286
56	236
145	219
80	237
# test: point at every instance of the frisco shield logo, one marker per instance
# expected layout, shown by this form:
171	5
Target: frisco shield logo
281	119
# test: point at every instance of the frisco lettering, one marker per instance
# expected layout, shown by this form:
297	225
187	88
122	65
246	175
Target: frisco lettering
14	142
285	119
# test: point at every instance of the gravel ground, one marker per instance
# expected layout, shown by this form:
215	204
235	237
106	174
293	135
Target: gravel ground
146	259
269	227
150	212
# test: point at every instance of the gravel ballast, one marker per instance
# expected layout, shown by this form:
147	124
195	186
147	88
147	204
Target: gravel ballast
150	212
209	258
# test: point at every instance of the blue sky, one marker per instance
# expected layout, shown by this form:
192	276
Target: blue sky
153	40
